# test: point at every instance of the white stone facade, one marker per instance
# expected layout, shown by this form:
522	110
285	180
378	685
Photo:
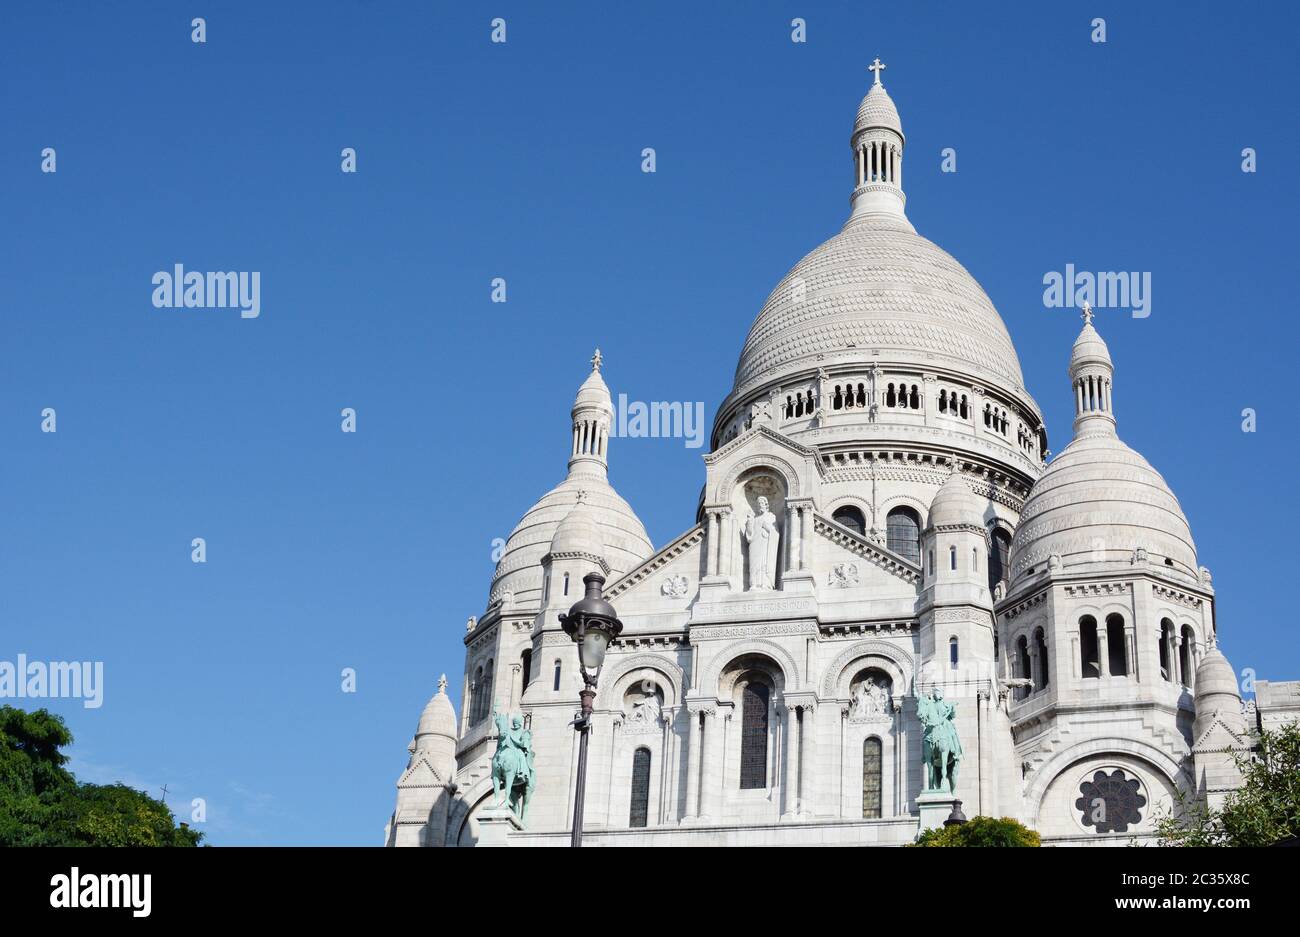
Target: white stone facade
922	540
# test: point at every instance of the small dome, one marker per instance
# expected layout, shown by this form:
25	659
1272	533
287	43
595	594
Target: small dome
1217	695
578	532
877	110
955	503
1098	504
1214	678
438	717
594	393
1089	348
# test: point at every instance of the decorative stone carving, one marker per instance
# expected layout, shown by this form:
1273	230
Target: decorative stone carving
843	576
871	703
675	586
470	624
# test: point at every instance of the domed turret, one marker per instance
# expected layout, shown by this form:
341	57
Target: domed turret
1217	695
579	532
619	532
955	503
1099	504
437	729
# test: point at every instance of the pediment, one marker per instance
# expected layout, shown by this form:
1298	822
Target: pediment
874	562
421	773
667	580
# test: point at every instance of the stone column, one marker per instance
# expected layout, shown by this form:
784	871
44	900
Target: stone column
805	528
710	782
693	767
726	548
789	551
1103	650
808	775
900	755
790	749
711	569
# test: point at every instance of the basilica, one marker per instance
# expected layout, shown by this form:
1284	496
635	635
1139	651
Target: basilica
880	533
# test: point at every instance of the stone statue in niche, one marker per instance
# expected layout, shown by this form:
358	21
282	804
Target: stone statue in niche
762	536
646	710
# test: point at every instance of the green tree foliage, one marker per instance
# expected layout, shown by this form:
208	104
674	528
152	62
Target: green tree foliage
42	804
980	831
1263	811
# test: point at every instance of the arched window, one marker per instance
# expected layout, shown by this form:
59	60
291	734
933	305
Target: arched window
1186	657
1166	639
476	696
952	558
1022	666
526	667
753	735
916	398
1089	658
1116	646
557	676
952	652
1044	671
640	809
999	557
850	517
974	559
903	533
566	584
871	754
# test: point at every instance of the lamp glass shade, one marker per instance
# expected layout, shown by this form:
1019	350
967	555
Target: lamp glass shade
592	648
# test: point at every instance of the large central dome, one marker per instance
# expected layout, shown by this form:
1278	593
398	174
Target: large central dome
879	290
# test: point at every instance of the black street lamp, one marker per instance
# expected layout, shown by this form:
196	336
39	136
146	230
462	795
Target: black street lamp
592	623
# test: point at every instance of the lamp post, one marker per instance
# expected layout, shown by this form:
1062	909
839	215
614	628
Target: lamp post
592	623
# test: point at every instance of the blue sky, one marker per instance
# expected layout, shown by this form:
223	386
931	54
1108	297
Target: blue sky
369	550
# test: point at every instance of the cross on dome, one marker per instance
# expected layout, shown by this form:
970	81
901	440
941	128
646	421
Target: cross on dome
1087	313
877	67
596	359
442	684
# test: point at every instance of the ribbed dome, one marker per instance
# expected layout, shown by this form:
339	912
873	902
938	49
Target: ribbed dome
1096	504
878	289
625	542
955	503
877	110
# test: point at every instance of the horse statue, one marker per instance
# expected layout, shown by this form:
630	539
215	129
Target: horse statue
513	777
940	747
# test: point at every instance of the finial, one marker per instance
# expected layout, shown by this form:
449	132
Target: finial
596	360
877	67
953	465
442	684
1087	313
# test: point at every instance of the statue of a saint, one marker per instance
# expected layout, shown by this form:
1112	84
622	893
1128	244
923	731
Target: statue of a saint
940	748
762	536
513	776
645	711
